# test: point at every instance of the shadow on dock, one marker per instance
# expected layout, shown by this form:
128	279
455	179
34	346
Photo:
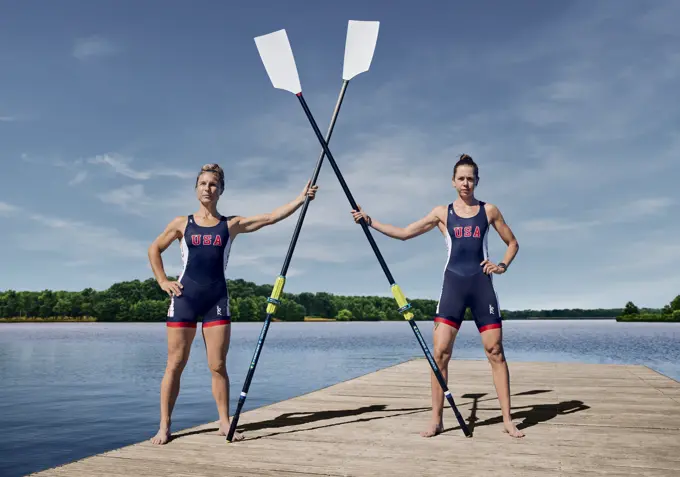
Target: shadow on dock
290	419
530	415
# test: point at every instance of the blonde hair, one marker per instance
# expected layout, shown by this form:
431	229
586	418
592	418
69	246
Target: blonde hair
215	169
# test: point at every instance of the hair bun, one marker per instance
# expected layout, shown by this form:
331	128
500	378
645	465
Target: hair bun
466	160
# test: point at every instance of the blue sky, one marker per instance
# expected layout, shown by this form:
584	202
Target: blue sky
108	110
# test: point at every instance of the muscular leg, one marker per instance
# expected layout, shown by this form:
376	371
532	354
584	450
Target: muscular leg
492	339
179	345
443	337
217	345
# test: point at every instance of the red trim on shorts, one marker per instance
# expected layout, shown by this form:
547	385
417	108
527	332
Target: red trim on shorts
492	326
181	324
216	323
446	321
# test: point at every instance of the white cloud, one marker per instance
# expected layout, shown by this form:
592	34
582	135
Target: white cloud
650	256
54	161
74	240
85	240
661	19
7	209
648	291
122	165
131	199
79	177
93	47
23	116
621	212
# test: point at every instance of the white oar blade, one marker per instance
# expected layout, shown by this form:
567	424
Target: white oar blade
277	56
359	47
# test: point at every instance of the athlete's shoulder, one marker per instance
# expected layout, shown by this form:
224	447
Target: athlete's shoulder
175	228
233	220
440	210
178	224
492	211
179	221
488	206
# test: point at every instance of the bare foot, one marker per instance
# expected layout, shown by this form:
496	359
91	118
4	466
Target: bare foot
511	429
224	430
162	437
432	430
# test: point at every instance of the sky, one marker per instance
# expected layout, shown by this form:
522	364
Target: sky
108	110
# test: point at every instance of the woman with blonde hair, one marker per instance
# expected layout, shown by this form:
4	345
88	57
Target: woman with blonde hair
205	239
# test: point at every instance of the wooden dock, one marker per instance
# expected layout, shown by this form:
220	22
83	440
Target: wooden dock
579	420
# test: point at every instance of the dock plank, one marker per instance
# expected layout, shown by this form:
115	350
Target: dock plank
579	419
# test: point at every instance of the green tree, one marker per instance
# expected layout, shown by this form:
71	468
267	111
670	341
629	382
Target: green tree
248	309
110	309
148	310
63	307
631	309
9	302
234	309
128	291
324	306
675	304
344	315
289	310
150	290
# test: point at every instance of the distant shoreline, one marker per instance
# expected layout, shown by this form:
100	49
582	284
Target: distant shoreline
136	301
333	320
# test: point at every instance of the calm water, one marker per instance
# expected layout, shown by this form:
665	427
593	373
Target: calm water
68	391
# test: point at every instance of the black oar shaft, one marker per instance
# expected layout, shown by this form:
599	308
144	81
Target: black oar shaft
315	175
284	270
343	184
364	226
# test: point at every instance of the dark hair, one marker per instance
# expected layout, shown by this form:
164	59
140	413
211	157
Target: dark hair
214	168
465	160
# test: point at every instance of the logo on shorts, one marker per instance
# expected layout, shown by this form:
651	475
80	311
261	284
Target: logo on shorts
491	309
219	311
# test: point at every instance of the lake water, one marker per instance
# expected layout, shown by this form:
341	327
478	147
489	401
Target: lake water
68	391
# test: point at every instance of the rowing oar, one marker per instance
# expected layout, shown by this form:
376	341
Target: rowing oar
359	47
277	56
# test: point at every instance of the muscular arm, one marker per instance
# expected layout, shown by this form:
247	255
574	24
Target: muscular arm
498	223
173	231
244	225
412	230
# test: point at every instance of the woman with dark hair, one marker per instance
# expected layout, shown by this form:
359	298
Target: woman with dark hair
467	282
205	239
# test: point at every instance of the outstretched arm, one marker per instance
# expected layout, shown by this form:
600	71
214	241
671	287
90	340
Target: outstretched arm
412	230
244	225
498	222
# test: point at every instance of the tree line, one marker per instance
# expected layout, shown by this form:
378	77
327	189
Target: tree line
670	312
138	300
